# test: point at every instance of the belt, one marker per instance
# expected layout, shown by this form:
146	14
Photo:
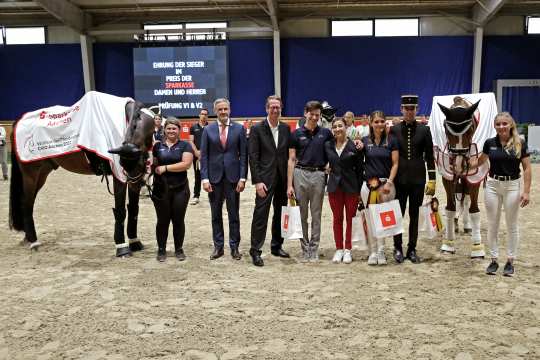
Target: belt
310	168
504	178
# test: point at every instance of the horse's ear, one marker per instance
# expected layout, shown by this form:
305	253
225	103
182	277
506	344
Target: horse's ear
472	109
444	109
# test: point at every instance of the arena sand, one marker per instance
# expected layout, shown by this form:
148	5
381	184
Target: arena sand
74	300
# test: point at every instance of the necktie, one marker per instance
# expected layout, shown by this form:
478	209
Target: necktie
223	135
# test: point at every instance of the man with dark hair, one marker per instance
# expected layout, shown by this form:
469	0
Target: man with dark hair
306	176
223	171
195	135
415	153
268	156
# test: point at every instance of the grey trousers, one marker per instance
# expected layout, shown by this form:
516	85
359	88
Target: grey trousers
3	160
309	190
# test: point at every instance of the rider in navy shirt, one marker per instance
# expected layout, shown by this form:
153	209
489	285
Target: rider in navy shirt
378	157
505	152
503	162
172	158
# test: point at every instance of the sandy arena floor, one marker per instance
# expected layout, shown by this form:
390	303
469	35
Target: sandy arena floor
74	300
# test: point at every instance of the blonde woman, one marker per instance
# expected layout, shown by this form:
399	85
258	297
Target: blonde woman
506	151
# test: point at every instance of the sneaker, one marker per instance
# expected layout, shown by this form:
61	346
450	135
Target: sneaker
194	201
347	257
492	267
372	259
338	256
306	255
161	256
381	258
508	269
180	255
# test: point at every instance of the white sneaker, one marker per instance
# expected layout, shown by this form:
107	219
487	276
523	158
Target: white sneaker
381	258
372	259
194	201
338	256
347	257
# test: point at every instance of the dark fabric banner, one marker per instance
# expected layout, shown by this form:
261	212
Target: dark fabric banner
38	76
363	74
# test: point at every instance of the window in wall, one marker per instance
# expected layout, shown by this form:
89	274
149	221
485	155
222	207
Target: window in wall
352	28
25	35
397	27
533	25
155	35
217	35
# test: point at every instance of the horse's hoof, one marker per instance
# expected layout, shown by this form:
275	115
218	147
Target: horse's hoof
123	252
34	246
477	257
136	245
447	252
467	231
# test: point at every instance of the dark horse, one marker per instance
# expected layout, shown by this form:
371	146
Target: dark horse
28	178
453	162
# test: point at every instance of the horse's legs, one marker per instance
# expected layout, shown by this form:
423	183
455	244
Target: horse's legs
119	211
133	211
448	242
33	180
477	249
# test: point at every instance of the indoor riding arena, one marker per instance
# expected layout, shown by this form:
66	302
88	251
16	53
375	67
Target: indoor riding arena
76	289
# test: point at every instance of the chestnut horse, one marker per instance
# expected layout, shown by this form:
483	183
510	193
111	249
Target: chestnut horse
459	126
29	177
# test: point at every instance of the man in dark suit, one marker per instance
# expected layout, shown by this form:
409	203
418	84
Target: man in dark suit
415	153
268	156
223	172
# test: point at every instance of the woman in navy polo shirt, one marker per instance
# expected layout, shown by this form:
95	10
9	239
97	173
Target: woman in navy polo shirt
505	152
172	159
381	158
343	186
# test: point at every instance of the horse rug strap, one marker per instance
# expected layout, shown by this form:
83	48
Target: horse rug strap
97	123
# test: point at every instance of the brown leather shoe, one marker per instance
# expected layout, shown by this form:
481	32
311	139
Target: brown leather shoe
216	254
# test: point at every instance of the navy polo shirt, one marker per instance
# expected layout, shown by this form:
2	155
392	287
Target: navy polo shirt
196	130
378	158
309	146
501	161
171	155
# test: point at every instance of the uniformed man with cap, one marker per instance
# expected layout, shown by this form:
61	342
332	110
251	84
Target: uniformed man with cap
415	153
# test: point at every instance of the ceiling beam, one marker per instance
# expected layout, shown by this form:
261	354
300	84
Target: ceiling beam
484	10
273	10
67	13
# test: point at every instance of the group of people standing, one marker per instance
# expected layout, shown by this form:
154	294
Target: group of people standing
301	165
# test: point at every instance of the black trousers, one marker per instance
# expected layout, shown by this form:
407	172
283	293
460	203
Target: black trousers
197	186
170	207
276	195
415	194
225	191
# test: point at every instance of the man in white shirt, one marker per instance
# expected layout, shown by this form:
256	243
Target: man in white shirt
268	157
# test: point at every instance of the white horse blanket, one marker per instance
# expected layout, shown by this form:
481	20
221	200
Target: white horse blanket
485	114
97	122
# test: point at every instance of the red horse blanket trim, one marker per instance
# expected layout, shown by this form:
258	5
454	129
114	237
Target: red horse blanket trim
97	122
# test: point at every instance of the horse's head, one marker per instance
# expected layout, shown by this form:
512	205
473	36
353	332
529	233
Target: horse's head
137	141
459	125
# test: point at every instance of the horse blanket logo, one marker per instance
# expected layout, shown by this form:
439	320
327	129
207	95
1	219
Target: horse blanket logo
487	109
97	122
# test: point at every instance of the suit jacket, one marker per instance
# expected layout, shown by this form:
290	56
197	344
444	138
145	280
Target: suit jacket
218	163
346	170
266	160
415	152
